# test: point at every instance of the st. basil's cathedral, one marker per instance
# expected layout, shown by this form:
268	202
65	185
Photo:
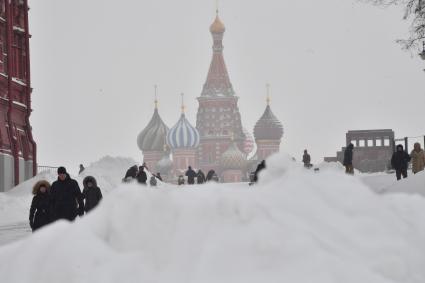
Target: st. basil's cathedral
218	141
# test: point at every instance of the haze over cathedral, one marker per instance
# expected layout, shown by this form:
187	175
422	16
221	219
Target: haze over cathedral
103	71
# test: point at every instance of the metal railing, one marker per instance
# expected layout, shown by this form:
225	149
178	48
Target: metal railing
46	169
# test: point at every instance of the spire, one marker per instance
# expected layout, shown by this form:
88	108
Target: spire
156	96
268	94
182	107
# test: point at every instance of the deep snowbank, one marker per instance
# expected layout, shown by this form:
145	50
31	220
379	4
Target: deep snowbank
295	226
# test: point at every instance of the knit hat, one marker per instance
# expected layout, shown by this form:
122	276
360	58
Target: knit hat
61	170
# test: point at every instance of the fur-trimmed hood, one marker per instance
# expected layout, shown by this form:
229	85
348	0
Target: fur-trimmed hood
89	179
38	185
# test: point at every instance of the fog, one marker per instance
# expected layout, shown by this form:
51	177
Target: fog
333	66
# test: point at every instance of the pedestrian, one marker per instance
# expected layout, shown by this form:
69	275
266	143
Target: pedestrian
191	174
81	169
91	193
180	180
261	166
153	181
210	174
348	159
200	177
66	197
131	174
418	158
158	176
141	176
40	214
400	161
307	159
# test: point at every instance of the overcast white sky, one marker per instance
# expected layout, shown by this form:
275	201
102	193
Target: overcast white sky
333	66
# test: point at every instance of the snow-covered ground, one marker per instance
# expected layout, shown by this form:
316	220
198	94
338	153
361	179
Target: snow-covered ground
294	226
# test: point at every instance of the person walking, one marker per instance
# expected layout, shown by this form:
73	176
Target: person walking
91	193
191	175
200	177
131	174
418	158
40	206
66	197
348	159
141	176
400	162
306	159
81	169
210	174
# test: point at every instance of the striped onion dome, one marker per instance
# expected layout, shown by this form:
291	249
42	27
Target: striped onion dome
248	143
183	135
268	127
152	138
233	158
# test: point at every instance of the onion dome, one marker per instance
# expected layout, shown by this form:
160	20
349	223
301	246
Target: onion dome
233	158
183	135
152	138
217	26
248	143
165	165
268	127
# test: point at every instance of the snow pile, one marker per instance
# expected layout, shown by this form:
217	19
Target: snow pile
294	226
414	184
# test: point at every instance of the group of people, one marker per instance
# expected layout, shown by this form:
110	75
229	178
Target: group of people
399	160
139	173
199	176
62	199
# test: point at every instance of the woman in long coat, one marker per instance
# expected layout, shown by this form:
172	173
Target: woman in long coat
40	213
91	193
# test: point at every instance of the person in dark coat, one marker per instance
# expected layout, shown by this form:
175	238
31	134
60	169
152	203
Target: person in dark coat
191	175
141	176
66	197
200	177
40	206
210	174
400	162
131	173
91	193
81	169
261	166
307	159
348	159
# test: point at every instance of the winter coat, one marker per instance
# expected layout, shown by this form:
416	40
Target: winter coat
418	160
400	160
348	156
209	175
40	206
92	195
131	172
142	177
306	159
65	195
200	177
191	175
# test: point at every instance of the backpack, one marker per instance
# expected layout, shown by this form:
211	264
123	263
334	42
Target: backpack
153	181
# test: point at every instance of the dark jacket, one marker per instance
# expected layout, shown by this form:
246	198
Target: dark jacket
348	155
400	160
210	174
306	159
66	199
261	166
91	195
142	177
191	175
200	177
40	211
131	172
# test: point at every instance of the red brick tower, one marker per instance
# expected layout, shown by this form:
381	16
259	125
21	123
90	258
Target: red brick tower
218	115
17	146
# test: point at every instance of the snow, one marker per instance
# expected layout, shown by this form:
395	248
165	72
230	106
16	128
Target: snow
296	225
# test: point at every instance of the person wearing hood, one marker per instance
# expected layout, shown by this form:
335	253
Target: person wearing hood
348	159
91	193
191	174
400	161
200	177
418	158
66	197
40	206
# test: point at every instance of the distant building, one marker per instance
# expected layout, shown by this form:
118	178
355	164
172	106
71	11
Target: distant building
17	146
372	150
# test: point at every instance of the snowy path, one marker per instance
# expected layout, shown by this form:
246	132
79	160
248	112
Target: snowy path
13	232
